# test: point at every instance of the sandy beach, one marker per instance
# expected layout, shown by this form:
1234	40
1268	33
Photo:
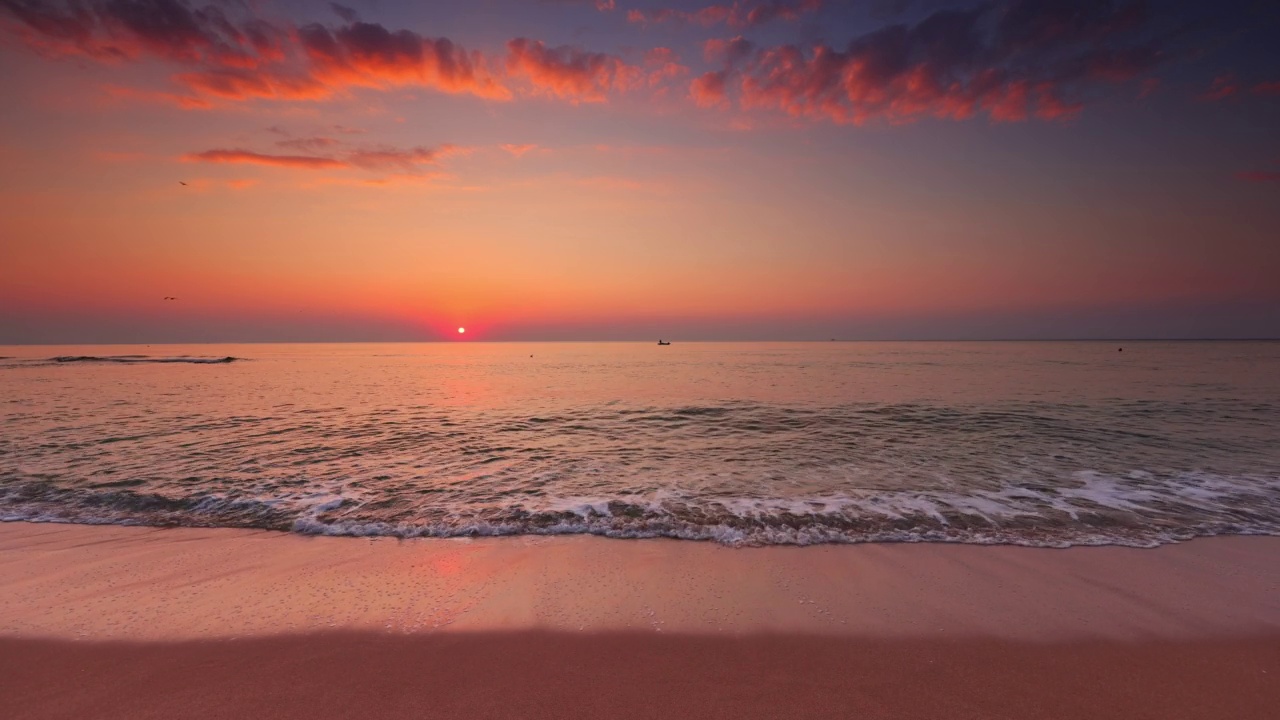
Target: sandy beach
141	622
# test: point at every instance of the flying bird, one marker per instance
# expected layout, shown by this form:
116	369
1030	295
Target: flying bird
182	183
170	298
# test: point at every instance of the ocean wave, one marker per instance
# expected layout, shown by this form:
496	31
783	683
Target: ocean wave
192	359
1096	511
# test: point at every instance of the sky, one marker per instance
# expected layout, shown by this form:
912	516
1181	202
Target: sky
634	169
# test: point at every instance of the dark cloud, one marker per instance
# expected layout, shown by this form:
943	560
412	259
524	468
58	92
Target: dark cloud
347	14
601	5
888	9
727	52
230	52
1010	61
738	14
169	29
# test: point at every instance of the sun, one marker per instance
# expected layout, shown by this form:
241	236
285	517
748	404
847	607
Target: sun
461	330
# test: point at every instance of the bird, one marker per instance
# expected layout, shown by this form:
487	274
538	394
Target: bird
182	183
170	298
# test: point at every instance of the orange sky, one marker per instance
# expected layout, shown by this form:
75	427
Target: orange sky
563	170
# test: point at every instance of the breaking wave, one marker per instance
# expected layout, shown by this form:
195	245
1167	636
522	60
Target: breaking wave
1089	510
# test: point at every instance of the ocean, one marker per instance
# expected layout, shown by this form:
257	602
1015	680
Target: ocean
1027	443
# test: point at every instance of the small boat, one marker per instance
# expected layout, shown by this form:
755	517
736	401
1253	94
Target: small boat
663	342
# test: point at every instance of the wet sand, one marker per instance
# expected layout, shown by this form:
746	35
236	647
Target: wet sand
630	675
139	622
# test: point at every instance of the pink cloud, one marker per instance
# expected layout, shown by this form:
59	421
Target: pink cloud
186	102
663	65
569	73
708	90
303	162
519	150
405	160
1222	87
1259	176
369	55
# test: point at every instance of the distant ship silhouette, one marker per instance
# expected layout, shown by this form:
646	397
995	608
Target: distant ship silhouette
663	342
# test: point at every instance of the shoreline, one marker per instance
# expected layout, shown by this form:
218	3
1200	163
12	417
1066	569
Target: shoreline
112	582
727	535
115	621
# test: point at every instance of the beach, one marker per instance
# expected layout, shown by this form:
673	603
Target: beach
108	621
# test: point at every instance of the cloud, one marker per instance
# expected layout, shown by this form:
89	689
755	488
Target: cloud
518	150
131	29
708	89
1011	62
405	160
233	52
738	14
1267	88
236	84
230	52
662	65
309	144
729	52
568	72
347	14
1260	176
369	55
186	102
600	5
1222	87
301	162
378	158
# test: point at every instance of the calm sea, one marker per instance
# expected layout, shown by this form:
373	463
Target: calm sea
1040	443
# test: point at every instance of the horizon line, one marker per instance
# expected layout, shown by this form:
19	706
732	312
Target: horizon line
649	341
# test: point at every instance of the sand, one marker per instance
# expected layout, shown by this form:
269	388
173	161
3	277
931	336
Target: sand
141	622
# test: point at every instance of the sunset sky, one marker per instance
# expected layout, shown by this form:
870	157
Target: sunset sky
629	169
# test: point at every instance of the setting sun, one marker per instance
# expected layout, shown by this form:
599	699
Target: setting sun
461	330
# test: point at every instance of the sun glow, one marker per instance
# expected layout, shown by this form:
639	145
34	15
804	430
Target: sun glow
461	330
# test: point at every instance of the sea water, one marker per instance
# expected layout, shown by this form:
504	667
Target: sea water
1031	443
